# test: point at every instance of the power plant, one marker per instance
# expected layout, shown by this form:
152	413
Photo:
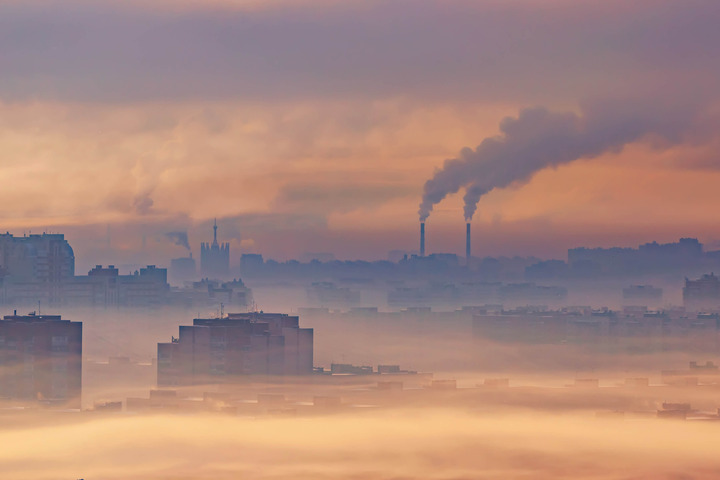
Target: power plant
468	247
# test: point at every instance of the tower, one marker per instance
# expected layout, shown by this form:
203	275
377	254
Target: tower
215	257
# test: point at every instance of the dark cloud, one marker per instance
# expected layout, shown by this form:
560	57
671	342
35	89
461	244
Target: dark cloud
179	238
117	51
143	204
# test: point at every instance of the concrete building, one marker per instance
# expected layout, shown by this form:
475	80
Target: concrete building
182	269
33	268
214	257
105	287
219	350
642	295
212	293
703	293
41	358
327	293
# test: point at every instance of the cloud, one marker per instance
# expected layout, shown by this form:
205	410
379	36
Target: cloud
127	51
339	196
129	113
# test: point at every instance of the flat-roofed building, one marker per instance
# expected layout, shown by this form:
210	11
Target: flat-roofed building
41	359
703	293
217	350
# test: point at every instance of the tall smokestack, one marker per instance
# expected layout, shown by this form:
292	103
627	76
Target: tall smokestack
422	239
467	243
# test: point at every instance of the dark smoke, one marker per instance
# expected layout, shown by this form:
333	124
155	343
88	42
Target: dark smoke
143	204
538	138
179	238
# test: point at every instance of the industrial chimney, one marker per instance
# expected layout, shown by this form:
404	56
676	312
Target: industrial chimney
467	243
422	239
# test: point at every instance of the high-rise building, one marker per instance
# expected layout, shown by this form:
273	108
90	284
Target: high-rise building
41	358
703	293
214	257
33	268
182	269
216	350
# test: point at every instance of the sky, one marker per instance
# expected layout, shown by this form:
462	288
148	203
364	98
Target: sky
313	125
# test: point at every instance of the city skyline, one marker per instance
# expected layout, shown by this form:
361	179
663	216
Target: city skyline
335	149
370	239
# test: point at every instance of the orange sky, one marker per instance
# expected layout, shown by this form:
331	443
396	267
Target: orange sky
319	132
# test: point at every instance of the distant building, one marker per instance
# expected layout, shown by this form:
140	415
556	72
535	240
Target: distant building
183	269
218	350
397	255
212	293
647	258
105	287
703	293
34	267
251	263
317	256
41	358
642	294
214	257
529	292
327	293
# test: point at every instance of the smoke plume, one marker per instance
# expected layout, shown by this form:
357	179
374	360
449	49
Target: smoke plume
179	238
538	138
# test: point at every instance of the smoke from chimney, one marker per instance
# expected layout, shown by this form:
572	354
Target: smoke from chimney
179	238
538	138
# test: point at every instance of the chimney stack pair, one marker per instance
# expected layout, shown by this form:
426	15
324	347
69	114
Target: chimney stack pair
468	252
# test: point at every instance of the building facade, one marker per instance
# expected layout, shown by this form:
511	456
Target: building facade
218	350
105	287
703	293
41	359
33	268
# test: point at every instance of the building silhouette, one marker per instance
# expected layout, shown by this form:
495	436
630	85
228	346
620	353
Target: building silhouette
218	350
703	293
105	287
183	269
642	295
35	267
41	358
214	257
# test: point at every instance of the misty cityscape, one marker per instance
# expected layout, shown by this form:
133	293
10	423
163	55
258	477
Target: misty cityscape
359	240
